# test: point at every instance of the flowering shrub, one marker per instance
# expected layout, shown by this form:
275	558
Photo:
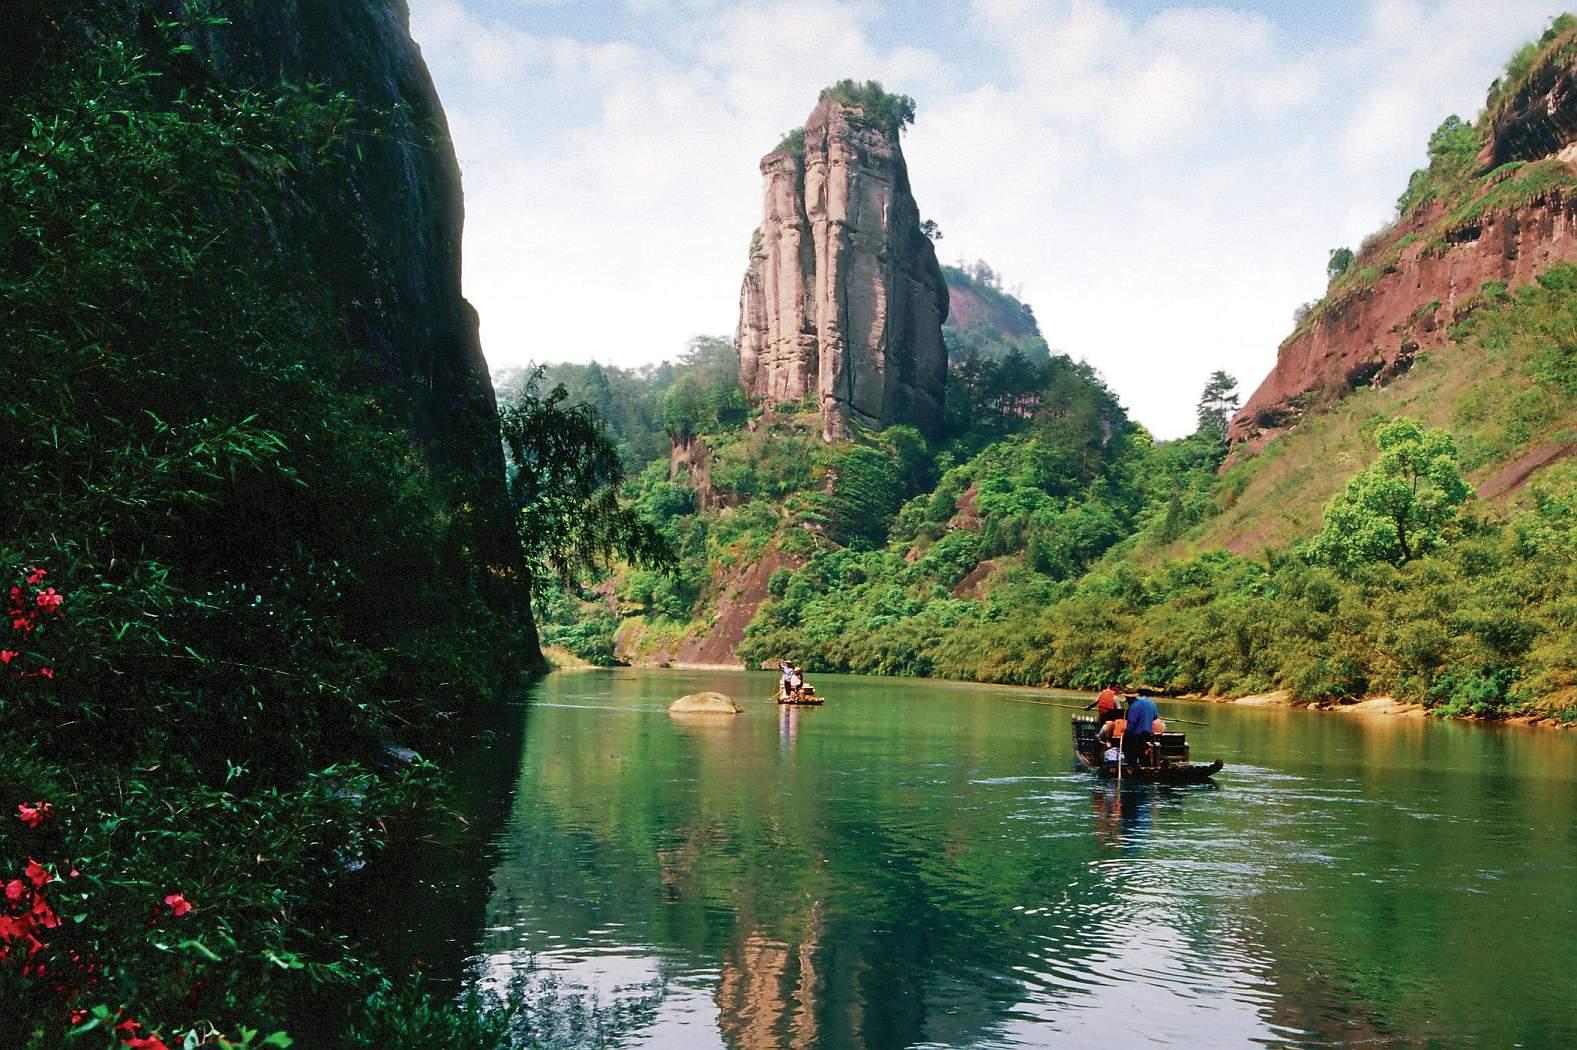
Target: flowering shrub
218	609
30	609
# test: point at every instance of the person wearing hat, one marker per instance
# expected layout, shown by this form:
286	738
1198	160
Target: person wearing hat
1142	716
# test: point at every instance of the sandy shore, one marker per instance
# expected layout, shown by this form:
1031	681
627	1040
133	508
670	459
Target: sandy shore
1374	706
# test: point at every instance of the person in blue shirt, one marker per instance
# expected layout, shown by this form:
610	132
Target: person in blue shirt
1142	714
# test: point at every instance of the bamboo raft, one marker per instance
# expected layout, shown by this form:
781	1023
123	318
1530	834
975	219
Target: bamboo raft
1164	762
807	697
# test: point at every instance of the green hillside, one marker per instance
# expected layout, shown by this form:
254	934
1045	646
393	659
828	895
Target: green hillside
1045	538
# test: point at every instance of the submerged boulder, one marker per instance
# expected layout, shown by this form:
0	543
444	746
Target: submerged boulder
704	704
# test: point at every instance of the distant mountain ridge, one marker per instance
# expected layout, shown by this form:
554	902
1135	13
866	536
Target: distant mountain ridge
985	319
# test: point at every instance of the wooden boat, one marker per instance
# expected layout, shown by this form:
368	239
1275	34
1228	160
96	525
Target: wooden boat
1165	763
807	697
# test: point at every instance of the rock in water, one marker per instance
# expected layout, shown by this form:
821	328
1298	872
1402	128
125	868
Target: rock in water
704	704
843	297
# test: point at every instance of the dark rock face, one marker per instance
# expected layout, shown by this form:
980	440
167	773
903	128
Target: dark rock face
843	297
385	230
381	228
1539	121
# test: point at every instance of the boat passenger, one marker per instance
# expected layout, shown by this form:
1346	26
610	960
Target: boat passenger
1158	726
1105	704
787	670
796	682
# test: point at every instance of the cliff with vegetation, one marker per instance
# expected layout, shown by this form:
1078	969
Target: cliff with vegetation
843	299
259	549
1496	207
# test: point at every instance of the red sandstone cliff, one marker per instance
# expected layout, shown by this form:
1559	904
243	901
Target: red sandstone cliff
843	297
1430	268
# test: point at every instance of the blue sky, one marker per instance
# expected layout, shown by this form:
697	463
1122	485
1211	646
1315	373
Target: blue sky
1162	181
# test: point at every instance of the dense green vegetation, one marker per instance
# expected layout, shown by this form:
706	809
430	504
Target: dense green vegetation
1042	540
1409	589
232	580
879	107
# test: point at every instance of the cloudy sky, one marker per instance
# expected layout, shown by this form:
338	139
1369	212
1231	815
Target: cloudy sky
1162	181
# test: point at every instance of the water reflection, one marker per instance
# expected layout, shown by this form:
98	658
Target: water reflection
918	865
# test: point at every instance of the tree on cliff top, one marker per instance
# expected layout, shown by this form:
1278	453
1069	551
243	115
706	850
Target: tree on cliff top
1217	404
892	113
1401	507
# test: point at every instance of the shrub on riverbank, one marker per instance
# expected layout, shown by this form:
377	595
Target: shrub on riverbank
1484	626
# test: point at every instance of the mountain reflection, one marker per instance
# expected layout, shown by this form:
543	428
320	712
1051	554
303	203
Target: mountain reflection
916	864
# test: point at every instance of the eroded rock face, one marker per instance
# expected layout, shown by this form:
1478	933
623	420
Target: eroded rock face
843	298
1432	270
1374	333
1539	120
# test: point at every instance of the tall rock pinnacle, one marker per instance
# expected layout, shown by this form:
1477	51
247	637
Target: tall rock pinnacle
843	296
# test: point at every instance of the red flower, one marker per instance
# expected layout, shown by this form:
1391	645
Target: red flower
151	1042
14	928
129	1030
46	672
35	576
35	814
23	624
177	904
44	913
15	890
36	873
48	600
7	655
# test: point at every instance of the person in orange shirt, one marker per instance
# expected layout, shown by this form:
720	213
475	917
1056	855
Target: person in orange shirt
1105	704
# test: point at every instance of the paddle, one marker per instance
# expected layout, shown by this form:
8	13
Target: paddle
1069	707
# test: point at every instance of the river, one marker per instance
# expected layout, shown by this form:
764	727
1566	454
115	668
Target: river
920	864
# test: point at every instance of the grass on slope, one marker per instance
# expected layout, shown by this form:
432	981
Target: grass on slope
1507	385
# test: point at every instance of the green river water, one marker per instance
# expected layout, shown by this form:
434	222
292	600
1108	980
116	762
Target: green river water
920	864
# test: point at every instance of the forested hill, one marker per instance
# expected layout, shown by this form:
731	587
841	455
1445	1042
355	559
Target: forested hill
985	319
1042	537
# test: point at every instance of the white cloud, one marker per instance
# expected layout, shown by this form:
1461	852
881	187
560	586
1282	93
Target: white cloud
1165	186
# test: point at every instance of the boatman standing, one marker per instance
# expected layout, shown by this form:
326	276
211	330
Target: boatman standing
1142	714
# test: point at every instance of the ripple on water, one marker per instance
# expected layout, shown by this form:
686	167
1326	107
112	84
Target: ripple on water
958	883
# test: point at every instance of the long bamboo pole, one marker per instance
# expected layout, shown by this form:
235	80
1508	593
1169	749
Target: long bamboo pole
1070	707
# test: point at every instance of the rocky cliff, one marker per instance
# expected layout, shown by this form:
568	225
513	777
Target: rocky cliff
379	229
1512	216
843	297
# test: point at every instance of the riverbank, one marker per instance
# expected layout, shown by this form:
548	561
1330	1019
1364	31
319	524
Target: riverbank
1380	706
1374	706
